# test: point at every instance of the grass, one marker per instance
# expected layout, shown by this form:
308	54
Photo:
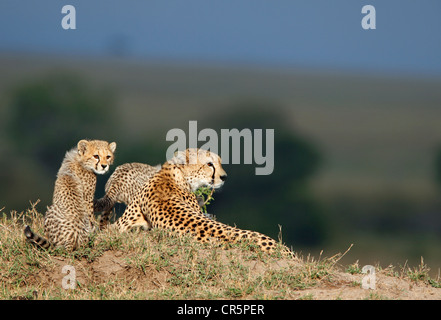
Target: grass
161	265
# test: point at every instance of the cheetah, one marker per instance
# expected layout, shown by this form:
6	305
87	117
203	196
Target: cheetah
122	186
69	220
167	201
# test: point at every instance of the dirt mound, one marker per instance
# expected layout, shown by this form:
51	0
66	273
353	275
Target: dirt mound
112	269
160	265
345	286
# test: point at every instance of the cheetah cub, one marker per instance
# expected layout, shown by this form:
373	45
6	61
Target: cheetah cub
69	220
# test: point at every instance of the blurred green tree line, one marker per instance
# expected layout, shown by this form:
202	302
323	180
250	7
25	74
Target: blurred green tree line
48	116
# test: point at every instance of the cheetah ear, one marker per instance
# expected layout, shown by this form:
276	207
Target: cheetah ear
112	146
82	146
180	157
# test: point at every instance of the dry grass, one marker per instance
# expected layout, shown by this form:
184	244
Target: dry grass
161	265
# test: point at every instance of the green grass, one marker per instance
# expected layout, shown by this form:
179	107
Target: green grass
179	263
161	265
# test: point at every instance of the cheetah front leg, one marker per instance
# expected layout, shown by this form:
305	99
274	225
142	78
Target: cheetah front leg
132	217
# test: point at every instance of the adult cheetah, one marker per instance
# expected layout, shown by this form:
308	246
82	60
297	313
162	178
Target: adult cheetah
167	201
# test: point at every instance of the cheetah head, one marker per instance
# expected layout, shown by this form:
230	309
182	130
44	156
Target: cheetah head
96	155
201	168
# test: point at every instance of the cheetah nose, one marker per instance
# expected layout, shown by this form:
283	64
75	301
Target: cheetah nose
104	166
223	177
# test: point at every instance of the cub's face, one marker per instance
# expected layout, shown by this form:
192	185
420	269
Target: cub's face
201	168
96	155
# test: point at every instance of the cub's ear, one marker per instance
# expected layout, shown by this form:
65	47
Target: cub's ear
82	146
112	146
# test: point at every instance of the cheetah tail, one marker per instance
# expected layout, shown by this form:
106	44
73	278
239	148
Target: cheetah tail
36	239
103	204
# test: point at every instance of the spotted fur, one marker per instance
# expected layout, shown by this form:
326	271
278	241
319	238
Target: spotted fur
123	185
167	201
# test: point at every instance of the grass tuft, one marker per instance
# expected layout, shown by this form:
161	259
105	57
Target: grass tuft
158	264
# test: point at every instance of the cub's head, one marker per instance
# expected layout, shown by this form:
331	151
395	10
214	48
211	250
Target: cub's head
96	155
201	168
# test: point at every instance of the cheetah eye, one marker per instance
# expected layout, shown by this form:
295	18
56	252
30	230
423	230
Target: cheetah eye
96	156
108	157
210	164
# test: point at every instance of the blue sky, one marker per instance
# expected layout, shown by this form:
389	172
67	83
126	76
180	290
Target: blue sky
296	33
